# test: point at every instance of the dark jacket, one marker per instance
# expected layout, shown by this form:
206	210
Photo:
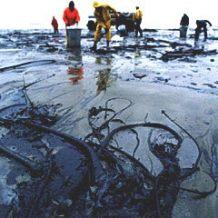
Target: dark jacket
184	20
202	23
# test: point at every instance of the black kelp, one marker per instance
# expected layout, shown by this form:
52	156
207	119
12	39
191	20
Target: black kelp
29	63
47	155
172	55
93	177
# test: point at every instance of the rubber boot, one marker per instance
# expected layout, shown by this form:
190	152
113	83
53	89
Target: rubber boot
94	47
108	44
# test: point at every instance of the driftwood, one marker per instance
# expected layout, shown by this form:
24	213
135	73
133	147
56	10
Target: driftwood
186	53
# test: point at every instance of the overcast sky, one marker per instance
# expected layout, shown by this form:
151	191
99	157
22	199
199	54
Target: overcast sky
26	14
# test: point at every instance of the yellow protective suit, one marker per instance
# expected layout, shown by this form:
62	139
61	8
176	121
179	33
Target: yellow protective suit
103	19
138	15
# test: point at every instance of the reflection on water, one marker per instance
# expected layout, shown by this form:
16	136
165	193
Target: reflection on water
103	80
137	56
75	70
75	55
77	74
104	60
104	77
137	53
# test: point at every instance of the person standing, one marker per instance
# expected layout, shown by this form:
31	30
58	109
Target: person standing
184	23
103	18
138	20
201	26
54	23
71	15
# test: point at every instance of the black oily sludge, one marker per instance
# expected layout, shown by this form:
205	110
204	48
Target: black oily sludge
46	157
29	63
90	177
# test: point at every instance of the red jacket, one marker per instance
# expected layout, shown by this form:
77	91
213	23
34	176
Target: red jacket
71	17
54	23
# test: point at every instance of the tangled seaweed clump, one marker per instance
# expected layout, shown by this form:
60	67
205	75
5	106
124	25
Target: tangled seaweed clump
93	177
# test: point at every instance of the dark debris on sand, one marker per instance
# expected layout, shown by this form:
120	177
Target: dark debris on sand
91	177
45	42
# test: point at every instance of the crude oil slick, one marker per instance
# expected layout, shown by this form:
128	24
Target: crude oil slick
91	134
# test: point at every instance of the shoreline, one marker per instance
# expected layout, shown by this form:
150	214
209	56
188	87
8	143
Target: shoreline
79	79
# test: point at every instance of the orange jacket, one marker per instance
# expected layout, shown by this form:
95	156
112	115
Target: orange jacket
71	17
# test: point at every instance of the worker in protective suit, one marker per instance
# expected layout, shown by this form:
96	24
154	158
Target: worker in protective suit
201	26
138	20
103	18
71	15
54	23
184	23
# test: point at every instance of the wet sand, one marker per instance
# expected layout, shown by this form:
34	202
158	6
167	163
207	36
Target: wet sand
186	90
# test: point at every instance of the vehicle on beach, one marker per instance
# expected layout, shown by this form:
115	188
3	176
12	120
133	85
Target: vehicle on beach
124	18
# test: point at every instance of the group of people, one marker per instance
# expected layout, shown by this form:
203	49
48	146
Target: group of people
103	17
201	26
102	13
